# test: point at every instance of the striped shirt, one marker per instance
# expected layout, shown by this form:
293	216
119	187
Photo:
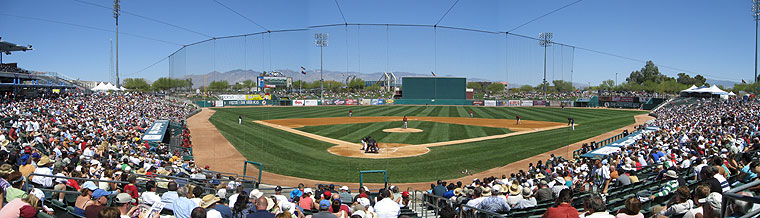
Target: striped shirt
668	188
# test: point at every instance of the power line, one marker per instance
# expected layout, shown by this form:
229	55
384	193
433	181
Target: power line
90	27
547	14
241	15
144	17
341	12
447	12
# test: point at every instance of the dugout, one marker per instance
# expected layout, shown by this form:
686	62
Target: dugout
434	91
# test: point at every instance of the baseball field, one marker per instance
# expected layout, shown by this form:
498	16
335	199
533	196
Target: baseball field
323	143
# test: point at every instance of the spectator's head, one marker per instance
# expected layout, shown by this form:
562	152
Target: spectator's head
335	205
111	212
565	196
682	194
261	203
284	214
700	193
711	205
198	212
122	200
632	206
209	201
197	192
150	186
16	179
594	203
183	191
277	190
172	186
324	205
671	174
740	208
241	202
344	188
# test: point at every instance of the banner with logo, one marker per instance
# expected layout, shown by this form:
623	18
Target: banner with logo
526	103
626	99
156	131
311	103
477	102
389	101
298	102
489	102
351	102
365	101
219	103
514	102
248	103
501	103
539	103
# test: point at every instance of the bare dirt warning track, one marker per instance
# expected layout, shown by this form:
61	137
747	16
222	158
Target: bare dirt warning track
348	149
211	148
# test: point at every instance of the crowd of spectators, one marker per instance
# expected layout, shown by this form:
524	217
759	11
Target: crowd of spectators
712	144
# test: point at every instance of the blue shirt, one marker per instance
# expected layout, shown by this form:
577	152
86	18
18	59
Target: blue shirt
750	175
295	193
260	214
224	210
183	207
169	198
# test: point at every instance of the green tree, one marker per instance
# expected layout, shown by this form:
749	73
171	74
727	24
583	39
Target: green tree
647	73
219	85
135	84
475	86
496	88
356	84
373	87
607	85
526	88
563	86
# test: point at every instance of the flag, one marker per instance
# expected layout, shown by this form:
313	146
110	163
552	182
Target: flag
432	73
303	70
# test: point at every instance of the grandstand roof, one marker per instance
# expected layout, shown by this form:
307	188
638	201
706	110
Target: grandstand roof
8	47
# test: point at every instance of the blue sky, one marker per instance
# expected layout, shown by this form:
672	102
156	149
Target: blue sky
712	38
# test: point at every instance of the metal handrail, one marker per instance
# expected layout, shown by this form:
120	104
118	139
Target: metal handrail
436	207
479	211
732	194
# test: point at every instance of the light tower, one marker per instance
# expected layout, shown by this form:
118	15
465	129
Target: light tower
756	16
546	41
320	39
116	9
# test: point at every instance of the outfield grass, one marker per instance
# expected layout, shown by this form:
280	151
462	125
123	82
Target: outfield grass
432	132
290	154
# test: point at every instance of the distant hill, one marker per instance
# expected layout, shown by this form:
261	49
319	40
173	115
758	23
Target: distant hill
724	83
239	75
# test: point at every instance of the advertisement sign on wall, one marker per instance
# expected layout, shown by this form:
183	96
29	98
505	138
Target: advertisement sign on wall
298	102
539	103
514	103
351	102
477	102
156	131
389	101
489	102
626	99
526	103
311	103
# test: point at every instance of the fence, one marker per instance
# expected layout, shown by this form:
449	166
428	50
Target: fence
577	153
731	196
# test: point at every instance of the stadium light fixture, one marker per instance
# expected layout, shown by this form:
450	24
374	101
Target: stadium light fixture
545	41
116	13
756	16
320	40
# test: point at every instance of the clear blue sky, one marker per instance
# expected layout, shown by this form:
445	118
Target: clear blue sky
712	38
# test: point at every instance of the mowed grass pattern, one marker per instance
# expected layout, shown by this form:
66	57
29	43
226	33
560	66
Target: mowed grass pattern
294	155
432	132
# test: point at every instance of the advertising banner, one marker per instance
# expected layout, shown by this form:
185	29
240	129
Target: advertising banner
389	101
605	98
351	102
477	102
526	103
339	102
298	102
539	103
247	103
233	97
615	98
328	102
626	99
311	103
219	103
365	101
489	102
501	103
514	102
156	131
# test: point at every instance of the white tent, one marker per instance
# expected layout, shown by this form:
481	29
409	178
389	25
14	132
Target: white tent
703	91
731	94
105	87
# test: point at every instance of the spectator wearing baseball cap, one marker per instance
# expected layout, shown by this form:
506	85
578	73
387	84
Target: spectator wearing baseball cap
307	202
711	205
100	199
122	202
25	207
345	195
324	210
278	195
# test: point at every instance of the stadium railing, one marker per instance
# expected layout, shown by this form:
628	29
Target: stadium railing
577	153
435	202
732	195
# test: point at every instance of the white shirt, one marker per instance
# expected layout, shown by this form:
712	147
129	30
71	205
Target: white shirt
604	214
233	198
43	180
149	198
387	208
213	214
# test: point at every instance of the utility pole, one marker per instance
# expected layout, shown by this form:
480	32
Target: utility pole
756	16
116	9
546	41
616	79
320	39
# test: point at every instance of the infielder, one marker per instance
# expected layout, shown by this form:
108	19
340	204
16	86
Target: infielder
350	113
518	119
240	119
470	113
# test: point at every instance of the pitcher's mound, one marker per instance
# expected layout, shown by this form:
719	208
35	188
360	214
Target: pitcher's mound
402	130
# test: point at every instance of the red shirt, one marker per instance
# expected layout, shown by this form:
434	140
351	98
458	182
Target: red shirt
132	191
564	210
404	119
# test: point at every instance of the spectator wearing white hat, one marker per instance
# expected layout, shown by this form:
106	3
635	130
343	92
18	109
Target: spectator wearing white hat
711	205
528	200
669	186
345	196
122	202
307	202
